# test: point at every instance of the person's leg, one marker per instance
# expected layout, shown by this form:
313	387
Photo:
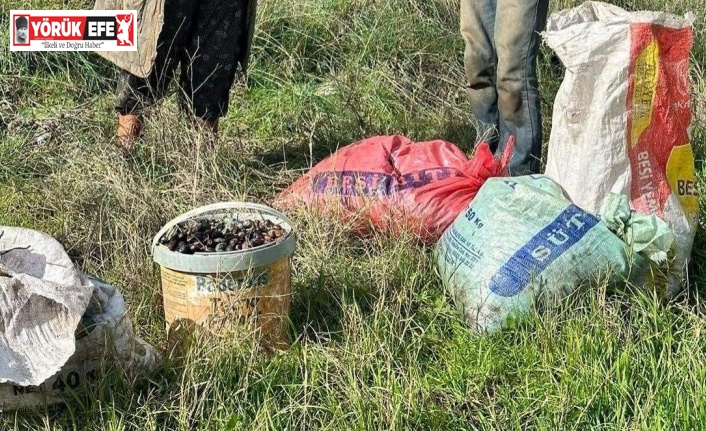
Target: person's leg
135	93
517	28
209	70
477	26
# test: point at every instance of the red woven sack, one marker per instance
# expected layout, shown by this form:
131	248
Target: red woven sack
390	183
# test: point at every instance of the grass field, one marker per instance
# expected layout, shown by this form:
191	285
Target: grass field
378	343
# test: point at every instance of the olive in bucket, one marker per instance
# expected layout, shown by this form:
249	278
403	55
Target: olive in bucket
227	266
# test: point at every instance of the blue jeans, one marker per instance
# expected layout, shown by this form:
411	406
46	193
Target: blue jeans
502	42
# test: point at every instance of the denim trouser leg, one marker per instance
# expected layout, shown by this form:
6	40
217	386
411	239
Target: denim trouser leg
477	26
515	42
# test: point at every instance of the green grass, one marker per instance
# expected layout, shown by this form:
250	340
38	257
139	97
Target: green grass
378	342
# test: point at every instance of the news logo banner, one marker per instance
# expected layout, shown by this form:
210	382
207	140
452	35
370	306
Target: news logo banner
73	30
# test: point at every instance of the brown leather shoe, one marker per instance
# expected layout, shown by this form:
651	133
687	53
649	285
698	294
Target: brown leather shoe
129	128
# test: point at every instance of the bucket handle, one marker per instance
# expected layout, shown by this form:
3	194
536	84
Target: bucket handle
215	207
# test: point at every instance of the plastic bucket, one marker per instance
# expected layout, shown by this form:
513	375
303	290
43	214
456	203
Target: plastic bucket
224	291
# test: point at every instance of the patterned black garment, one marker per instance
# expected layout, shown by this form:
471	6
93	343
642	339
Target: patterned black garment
207	39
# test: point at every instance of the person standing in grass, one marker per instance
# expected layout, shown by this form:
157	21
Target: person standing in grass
502	41
208	39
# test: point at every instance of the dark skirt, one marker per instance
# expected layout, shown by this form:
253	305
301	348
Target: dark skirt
209	40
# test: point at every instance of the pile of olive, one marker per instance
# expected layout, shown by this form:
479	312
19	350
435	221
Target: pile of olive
207	236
